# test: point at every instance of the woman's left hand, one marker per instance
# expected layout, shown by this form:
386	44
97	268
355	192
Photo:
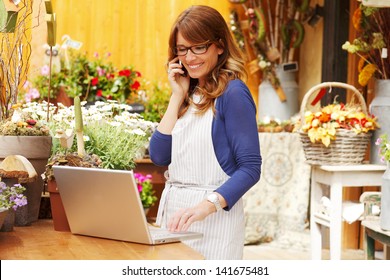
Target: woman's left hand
183	218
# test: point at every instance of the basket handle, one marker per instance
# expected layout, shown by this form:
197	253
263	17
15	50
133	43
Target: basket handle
330	85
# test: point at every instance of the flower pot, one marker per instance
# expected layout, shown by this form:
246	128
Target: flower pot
37	150
9	221
60	221
269	103
3	214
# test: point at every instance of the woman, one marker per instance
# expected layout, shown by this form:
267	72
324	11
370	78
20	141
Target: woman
208	136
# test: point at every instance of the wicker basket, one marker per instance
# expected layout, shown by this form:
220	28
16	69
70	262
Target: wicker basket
348	148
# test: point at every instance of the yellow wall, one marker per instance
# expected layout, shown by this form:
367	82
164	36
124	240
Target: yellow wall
134	31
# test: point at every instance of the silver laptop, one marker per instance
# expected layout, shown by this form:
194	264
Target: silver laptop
105	203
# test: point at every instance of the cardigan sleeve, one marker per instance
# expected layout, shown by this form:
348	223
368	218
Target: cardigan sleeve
160	147
237	123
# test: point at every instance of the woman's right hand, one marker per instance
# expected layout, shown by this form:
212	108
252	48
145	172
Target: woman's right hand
180	84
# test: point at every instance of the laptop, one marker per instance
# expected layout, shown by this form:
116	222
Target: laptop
105	203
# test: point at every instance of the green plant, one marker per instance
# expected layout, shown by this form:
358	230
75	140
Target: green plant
372	26
145	189
91	79
117	146
155	98
384	147
12	197
116	136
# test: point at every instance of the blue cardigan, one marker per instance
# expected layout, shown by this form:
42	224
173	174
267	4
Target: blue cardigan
235	140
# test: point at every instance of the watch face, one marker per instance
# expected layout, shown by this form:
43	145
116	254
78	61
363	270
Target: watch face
213	197
215	200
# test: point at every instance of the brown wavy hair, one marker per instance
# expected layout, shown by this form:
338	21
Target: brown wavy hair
199	24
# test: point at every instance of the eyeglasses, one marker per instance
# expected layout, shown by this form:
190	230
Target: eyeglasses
196	49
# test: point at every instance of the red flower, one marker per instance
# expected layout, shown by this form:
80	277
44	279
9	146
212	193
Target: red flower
99	92
94	81
110	76
31	122
138	74
125	72
136	85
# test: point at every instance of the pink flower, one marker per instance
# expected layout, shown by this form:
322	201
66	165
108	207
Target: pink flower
101	72
45	70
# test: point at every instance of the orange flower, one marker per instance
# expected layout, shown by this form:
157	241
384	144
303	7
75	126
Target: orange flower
324	118
357	19
366	74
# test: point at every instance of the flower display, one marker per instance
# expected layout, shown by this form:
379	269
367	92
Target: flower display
91	79
322	126
145	189
111	132
371	43
12	197
384	147
24	122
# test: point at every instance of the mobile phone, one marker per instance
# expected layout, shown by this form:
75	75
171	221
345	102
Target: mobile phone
183	68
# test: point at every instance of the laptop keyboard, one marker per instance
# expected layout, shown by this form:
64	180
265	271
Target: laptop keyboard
162	233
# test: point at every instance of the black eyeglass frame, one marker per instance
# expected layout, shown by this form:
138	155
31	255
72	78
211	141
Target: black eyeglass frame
207	44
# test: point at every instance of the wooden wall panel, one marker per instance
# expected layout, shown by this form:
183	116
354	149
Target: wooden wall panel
134	31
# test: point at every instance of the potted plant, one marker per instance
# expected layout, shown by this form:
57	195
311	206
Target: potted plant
112	137
10	199
95	79
145	189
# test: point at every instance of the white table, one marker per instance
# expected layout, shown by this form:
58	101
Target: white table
332	179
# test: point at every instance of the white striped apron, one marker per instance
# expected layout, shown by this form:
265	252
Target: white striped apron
194	172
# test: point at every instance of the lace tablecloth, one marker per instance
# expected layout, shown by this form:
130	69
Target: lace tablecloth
278	204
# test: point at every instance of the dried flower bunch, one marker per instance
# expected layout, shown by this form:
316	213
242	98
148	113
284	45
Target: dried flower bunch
384	147
12	197
373	29
275	31
322	126
145	189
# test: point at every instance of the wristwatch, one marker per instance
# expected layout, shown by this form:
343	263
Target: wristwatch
213	198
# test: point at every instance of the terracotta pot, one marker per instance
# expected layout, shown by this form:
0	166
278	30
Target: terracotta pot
60	221
9	221
3	215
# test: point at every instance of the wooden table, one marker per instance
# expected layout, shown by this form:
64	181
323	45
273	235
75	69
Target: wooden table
332	179
41	242
372	232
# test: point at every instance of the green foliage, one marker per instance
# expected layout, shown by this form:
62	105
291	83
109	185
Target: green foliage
156	101
116	146
91	79
145	189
